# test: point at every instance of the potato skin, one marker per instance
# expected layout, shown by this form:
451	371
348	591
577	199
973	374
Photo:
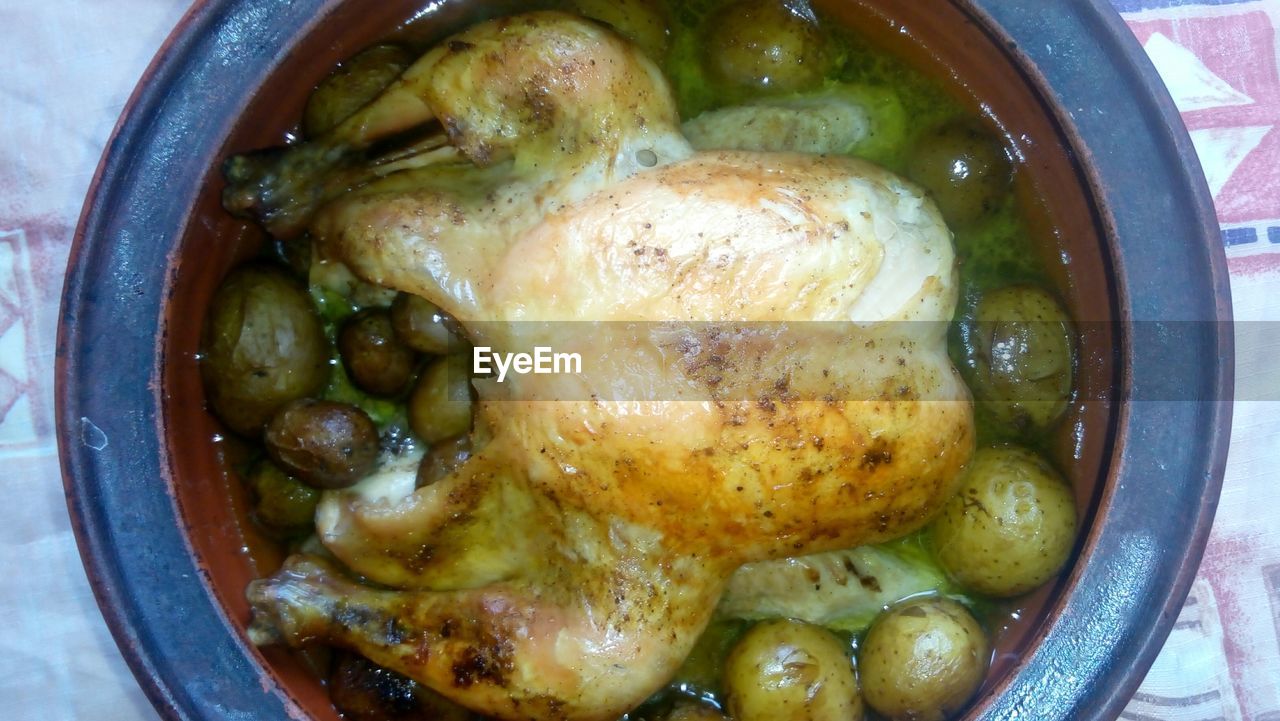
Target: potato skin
283	502
326	444
440	405
1025	357
263	346
352	85
783	670
442	459
693	711
1010	528
767	45
377	361
922	660
643	22
422	326
964	169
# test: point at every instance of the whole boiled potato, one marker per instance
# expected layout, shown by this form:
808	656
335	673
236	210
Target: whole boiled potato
375	357
643	22
693	711
326	444
770	45
440	404
263	346
283	503
1024	357
443	458
423	327
1010	528
922	660
786	670
964	169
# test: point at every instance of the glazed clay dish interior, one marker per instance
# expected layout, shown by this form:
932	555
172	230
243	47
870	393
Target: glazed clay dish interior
940	40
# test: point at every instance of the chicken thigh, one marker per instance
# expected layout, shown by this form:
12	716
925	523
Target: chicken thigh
764	370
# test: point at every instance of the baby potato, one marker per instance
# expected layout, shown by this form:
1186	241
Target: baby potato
443	458
422	326
922	660
440	405
1011	526
767	45
263	346
283	502
693	711
643	22
351	86
1025	357
326	444
785	670
374	356
964	169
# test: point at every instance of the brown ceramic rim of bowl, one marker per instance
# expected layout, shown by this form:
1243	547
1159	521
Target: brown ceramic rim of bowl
1121	598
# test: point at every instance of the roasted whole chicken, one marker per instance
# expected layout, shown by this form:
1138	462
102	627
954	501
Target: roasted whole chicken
765	369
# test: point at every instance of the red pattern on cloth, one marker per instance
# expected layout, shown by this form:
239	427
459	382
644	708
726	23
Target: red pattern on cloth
1222	660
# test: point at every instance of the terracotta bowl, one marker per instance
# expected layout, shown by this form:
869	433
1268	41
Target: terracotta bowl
1113	186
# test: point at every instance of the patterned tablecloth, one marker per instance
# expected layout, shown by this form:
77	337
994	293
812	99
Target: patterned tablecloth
66	70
